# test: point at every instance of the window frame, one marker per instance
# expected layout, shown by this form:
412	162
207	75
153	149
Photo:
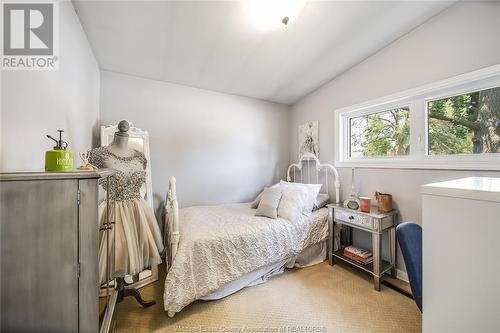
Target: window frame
417	100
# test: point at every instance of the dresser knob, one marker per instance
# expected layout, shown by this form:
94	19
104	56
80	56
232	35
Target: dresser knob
351	217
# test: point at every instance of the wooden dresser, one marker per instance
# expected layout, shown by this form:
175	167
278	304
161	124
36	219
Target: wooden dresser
49	251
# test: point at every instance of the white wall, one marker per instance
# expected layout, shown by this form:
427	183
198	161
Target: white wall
36	103
221	148
460	39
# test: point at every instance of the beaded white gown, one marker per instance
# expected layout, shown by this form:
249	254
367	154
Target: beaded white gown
136	237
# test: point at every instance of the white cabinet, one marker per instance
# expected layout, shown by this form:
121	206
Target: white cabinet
461	255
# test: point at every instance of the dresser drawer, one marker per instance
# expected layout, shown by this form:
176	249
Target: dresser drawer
354	218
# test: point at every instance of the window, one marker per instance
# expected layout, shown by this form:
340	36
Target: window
465	124
385	133
451	124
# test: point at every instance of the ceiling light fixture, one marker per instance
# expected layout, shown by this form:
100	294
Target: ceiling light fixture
274	13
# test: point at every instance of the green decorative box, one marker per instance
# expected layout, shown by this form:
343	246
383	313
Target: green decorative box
58	160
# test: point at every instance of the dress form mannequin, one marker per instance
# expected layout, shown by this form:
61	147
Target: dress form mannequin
119	146
137	238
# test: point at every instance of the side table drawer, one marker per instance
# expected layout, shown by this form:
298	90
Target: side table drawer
353	218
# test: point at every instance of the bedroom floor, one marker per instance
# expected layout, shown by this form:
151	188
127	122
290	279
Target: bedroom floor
333	299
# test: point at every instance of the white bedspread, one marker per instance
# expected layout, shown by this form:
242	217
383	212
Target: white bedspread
219	244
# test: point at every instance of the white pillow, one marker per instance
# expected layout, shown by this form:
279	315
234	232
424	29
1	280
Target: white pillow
291	205
255	203
268	205
310	192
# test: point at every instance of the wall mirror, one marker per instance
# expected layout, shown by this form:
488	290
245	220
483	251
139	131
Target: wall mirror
139	140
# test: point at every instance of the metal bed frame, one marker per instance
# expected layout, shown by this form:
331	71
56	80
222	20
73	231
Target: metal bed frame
308	175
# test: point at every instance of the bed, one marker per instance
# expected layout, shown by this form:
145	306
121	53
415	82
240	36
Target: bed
215	251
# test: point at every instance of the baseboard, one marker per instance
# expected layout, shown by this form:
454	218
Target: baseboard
402	275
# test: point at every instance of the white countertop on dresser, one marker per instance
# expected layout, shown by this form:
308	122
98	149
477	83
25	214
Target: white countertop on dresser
477	188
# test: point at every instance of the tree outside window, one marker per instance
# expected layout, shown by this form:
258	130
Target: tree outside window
385	133
465	124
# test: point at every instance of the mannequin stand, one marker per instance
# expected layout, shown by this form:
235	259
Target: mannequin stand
124	291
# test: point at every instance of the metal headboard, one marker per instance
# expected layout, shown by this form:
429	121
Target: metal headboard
310	174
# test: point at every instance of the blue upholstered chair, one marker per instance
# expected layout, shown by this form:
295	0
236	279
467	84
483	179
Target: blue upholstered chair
409	236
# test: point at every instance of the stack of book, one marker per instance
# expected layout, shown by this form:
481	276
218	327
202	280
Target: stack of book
359	255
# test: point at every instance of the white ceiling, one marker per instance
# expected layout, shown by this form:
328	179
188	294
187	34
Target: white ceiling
213	45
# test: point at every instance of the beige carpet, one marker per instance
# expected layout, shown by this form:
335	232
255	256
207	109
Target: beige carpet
320	298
